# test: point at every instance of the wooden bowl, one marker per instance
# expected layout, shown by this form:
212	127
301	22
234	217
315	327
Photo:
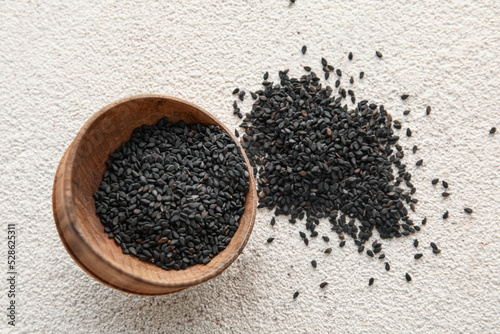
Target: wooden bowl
79	174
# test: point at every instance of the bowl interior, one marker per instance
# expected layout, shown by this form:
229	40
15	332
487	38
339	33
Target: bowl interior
100	136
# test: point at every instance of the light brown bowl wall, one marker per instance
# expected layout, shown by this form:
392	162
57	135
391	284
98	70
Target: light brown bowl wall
79	175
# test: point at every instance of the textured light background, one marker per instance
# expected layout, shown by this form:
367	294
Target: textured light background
62	61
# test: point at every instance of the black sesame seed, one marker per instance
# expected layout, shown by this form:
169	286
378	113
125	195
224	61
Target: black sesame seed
304	49
270	240
236	90
408	277
339	72
307	68
325	238
419	162
314	263
328	250
361	75
370	253
295	295
435	181
266	76
342	243
351	80
382	256
404	97
236	133
468	210
350	56
493	130
379	54
370	281
412	207
324	62
445	194
433	245
446	215
406	112
415	243
306	241
273	221
445	184
418	256
302	234
408	132
428	110
436	251
322	285
361	249
387	266
241	95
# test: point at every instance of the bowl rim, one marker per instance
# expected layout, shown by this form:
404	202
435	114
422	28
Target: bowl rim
68	202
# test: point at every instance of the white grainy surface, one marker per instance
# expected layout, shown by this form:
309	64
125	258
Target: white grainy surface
62	61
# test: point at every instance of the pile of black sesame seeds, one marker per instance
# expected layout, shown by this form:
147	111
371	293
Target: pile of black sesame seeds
319	159
174	193
315	157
